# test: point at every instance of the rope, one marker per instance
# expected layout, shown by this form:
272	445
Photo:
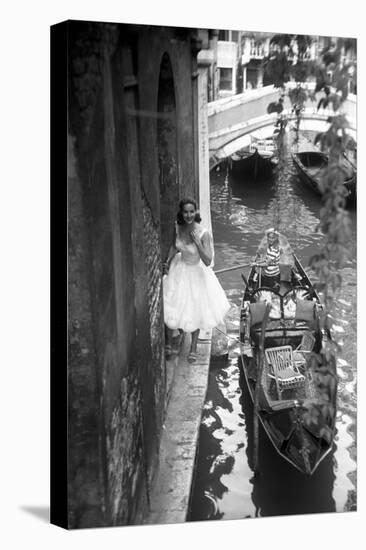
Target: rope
228	337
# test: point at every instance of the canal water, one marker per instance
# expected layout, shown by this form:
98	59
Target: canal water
224	486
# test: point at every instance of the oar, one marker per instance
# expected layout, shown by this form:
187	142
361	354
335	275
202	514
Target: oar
232	268
235	267
257	389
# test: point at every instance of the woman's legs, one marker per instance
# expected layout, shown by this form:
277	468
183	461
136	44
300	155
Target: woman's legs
194	340
177	341
173	344
193	351
171	349
168	340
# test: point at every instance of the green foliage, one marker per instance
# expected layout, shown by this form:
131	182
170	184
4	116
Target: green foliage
289	59
334	77
275	107
278	69
298	97
282	40
322	411
303	43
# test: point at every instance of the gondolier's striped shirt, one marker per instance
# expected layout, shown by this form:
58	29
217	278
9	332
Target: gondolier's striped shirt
273	257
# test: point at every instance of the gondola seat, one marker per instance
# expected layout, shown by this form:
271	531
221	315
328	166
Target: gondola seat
306	312
257	311
263	297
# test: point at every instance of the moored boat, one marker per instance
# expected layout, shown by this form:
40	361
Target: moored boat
288	378
310	164
257	160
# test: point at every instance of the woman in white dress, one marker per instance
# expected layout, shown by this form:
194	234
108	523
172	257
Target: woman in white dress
193	297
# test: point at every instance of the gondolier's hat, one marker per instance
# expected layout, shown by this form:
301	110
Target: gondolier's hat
272	230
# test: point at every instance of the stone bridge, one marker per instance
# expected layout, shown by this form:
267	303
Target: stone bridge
231	120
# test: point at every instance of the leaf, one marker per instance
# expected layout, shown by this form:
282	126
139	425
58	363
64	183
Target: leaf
336	100
275	107
319	85
318	137
320	103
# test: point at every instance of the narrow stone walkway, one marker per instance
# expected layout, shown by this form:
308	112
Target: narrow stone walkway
172	486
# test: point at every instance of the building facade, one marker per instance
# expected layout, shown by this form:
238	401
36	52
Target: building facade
240	58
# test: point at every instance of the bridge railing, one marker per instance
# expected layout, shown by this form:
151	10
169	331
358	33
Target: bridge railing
231	118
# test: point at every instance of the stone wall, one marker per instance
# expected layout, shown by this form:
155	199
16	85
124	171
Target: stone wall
86	500
116	366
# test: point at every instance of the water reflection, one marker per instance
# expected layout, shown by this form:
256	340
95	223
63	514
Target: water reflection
224	487
223	472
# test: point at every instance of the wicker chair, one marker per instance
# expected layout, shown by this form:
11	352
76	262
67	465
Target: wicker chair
301	352
285	371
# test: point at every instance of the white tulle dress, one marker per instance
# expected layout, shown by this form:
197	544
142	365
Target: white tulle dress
193	297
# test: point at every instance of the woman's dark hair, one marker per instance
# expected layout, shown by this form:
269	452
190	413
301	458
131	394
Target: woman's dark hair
182	203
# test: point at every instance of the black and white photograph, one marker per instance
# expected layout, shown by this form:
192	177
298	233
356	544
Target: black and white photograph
204	257
211	225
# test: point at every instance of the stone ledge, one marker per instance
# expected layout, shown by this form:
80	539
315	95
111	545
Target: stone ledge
169	499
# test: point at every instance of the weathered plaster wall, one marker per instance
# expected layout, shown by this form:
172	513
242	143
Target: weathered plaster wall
116	337
86	500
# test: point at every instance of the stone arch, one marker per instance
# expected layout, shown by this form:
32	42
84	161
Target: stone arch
167	153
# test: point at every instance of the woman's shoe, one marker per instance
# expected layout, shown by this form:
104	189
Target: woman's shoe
178	344
192	357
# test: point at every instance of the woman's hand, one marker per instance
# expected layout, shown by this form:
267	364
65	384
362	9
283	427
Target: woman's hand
195	237
203	246
165	268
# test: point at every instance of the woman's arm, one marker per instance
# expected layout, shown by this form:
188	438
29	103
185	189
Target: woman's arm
204	246
172	252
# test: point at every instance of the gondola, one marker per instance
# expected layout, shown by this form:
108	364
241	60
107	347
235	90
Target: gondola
258	160
288	381
310	165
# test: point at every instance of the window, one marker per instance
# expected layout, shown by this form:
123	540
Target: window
226	79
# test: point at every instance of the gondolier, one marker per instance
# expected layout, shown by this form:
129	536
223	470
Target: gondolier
270	264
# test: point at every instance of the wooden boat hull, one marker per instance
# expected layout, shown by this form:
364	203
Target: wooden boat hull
302	443
254	165
285	427
309	166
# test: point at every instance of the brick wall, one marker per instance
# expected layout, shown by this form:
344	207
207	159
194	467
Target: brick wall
153	263
124	448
